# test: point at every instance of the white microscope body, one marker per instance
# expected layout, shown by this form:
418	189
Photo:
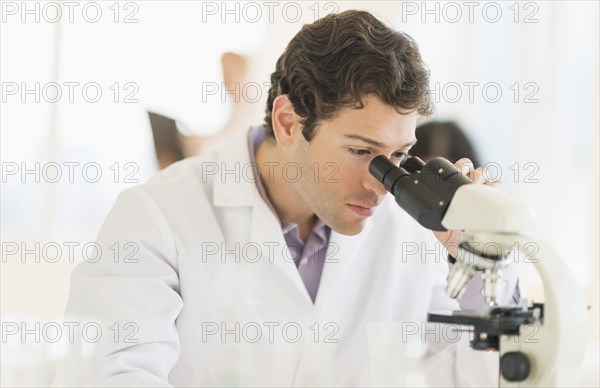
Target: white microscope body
540	345
554	346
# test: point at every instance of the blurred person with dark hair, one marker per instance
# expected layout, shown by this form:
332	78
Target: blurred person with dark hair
280	260
445	139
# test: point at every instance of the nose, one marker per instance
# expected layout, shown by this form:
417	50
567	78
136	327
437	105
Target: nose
372	184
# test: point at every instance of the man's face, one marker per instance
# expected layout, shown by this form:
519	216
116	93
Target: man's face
335	180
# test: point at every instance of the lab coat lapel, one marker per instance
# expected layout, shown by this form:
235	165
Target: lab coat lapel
342	251
232	189
266	232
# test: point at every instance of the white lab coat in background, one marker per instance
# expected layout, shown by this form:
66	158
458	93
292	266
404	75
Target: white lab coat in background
200	294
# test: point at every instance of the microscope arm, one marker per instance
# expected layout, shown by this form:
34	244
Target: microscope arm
556	349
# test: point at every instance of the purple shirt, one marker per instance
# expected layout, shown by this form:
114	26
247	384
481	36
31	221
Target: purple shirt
310	257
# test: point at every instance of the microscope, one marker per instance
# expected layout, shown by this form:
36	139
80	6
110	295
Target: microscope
539	344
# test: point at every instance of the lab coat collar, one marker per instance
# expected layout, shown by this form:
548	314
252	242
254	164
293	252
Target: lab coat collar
234	178
235	186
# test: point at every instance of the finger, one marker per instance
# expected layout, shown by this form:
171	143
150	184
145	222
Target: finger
495	184
465	165
477	175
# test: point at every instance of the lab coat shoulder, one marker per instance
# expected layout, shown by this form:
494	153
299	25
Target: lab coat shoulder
133	283
135	280
180	189
201	197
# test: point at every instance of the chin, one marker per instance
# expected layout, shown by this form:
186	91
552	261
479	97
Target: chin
349	229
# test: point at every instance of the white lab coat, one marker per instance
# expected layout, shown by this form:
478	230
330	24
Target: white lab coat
191	281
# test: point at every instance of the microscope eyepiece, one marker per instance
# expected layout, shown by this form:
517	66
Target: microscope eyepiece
380	166
413	164
386	172
424	190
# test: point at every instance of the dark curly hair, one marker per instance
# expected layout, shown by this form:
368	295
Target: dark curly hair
338	60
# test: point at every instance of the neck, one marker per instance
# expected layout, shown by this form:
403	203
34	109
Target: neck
288	205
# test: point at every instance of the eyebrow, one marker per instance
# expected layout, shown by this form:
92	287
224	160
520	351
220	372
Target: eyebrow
376	143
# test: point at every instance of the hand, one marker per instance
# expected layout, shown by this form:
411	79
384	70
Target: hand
451	238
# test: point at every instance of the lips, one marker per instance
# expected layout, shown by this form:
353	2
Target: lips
363	211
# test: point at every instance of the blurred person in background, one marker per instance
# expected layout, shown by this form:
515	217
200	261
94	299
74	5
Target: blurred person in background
445	139
174	147
280	260
235	77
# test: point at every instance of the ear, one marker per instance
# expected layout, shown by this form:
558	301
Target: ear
285	120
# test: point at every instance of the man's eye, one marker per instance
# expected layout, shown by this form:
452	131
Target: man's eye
359	152
399	157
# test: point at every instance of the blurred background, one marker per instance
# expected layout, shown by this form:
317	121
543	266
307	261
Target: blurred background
520	78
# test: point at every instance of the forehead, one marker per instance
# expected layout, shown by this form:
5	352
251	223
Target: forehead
375	119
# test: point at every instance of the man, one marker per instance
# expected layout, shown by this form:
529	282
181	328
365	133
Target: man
280	260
